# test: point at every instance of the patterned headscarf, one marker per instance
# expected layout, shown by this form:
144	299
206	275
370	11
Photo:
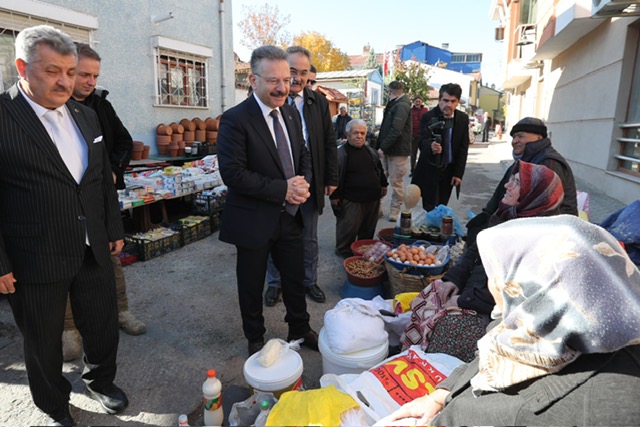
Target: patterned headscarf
541	194
564	287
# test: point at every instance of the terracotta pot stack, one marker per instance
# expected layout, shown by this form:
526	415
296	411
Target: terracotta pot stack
183	134
163	139
212	130
138	149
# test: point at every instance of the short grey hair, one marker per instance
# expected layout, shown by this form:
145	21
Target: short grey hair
354	122
301	50
29	39
271	53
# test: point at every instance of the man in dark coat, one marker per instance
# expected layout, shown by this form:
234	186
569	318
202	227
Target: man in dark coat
119	144
417	111
530	144
341	123
321	143
59	221
395	142
443	159
266	166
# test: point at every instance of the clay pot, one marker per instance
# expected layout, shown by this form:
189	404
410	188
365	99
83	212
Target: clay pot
177	128
200	135
181	152
163	148
200	124
163	139
189	135
212	124
181	144
136	155
173	151
188	125
164	130
176	137
145	151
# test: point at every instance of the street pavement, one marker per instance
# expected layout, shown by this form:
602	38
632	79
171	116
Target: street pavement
188	300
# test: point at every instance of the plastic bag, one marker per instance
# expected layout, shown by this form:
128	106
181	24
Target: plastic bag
434	218
354	325
393	324
395	381
319	407
245	413
274	348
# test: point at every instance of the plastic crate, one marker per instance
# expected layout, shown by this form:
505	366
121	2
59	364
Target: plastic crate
197	227
151	246
207	204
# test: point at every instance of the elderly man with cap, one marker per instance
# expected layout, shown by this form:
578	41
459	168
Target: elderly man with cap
530	144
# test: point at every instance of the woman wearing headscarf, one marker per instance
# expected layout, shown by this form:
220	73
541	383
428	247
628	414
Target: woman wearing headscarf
566	350
533	190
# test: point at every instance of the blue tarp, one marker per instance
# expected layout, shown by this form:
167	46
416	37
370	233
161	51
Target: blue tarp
624	225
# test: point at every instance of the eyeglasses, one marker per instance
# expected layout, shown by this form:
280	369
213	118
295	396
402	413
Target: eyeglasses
295	72
312	82
272	81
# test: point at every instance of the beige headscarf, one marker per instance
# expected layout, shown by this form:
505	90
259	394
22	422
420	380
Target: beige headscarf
564	287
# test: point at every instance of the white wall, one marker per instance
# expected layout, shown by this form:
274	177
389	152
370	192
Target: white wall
123	40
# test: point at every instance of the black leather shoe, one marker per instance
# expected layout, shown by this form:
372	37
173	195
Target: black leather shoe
271	296
111	398
310	340
255	346
61	418
315	293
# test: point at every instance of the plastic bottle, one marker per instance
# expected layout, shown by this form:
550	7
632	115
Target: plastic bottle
182	420
261	419
212	392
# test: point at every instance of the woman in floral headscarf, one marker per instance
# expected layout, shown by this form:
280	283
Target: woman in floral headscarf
567	348
533	190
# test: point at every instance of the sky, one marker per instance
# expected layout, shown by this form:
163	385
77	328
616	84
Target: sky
350	24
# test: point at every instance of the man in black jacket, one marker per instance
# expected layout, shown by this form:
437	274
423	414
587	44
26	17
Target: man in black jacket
119	144
321	143
395	142
530	144
442	160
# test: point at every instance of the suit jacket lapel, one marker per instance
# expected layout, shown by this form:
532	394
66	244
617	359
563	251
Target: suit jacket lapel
86	132
262	130
26	118
288	116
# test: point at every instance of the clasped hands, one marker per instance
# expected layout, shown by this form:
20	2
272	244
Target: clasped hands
447	293
436	148
297	190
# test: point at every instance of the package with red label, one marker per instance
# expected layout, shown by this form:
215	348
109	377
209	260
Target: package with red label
395	381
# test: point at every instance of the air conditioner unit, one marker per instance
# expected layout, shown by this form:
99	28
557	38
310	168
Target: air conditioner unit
499	34
614	8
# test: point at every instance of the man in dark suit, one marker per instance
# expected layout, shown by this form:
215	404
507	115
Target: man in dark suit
264	163
321	143
442	160
119	145
59	221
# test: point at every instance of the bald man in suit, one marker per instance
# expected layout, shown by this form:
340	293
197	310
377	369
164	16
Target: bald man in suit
267	169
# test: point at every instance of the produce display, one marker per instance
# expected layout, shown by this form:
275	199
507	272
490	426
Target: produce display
425	256
374	252
364	269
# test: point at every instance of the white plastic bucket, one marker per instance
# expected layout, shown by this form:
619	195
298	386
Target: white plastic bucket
349	363
284	375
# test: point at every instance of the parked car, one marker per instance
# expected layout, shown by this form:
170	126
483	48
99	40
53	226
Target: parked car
475	125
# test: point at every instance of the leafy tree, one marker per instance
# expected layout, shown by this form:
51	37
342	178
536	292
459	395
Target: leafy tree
326	57
371	63
263	26
414	76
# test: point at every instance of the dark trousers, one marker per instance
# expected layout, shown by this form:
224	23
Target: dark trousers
39	308
415	143
437	190
357	221
286	249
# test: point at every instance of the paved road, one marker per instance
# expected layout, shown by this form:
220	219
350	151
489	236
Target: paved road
188	300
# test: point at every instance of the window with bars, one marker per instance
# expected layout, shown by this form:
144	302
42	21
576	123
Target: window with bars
182	79
628	157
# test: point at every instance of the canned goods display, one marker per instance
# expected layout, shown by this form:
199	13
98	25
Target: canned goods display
447	226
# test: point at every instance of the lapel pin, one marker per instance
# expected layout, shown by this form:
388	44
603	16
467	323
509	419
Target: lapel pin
76	110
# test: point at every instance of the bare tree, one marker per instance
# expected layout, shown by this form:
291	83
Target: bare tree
263	26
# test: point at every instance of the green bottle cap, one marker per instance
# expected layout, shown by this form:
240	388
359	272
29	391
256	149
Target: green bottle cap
264	404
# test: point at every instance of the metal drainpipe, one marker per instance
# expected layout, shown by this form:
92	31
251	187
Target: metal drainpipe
223	61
